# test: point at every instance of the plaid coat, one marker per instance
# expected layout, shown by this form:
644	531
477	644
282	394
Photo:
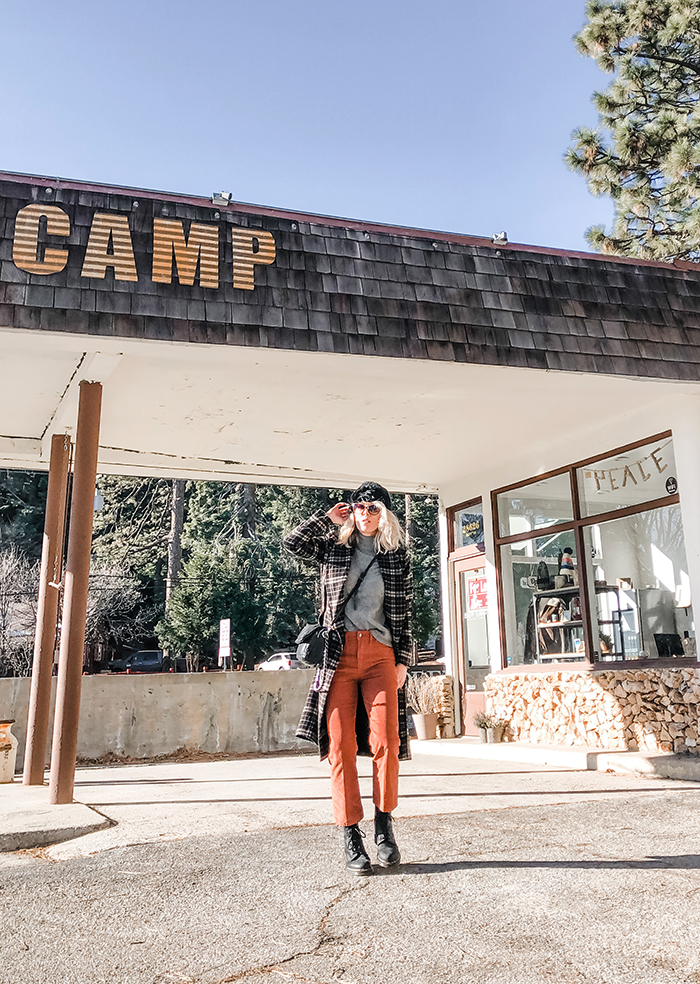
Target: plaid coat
316	539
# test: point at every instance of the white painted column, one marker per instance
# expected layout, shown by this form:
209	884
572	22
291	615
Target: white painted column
490	564
448	641
685	424
449	649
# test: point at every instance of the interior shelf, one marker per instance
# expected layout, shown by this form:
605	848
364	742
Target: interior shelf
559	625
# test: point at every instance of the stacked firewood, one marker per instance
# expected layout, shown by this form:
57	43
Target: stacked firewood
446	706
655	709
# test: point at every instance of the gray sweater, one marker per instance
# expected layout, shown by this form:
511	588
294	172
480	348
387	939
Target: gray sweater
365	610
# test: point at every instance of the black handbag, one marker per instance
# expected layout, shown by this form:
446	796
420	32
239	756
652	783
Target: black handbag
311	641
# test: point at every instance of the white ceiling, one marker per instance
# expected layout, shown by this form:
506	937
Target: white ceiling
266	415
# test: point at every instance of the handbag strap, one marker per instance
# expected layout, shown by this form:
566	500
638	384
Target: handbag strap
356	587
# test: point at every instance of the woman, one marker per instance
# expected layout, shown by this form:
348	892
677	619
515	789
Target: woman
356	703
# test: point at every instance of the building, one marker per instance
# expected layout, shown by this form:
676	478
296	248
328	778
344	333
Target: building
551	399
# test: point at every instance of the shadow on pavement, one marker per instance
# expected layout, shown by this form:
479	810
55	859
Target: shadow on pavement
480	794
661	862
406	776
142	782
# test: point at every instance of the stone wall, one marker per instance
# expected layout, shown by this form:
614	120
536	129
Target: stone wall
655	710
145	715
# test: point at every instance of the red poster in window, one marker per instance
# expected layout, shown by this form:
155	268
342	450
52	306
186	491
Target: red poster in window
478	596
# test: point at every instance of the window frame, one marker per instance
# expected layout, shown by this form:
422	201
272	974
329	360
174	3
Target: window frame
578	525
462	553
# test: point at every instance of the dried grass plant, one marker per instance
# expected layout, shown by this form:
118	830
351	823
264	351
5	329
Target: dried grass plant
422	693
485	721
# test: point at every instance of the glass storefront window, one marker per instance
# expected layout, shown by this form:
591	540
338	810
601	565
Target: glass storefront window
469	528
530	507
637	603
628	478
639	586
542	601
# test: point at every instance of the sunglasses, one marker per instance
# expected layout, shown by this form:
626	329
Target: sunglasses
369	507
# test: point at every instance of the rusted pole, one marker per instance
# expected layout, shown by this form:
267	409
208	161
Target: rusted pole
70	661
47	611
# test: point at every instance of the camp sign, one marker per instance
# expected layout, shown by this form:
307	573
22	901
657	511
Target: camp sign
181	251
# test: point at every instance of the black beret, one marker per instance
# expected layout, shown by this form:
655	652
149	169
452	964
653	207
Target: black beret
371	492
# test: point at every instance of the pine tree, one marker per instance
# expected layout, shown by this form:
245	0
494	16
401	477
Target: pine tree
215	583
22	506
236	567
116	613
423	551
233	533
19	578
131	529
649	160
177	520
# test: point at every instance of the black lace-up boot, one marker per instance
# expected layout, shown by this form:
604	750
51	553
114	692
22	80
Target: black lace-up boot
356	857
388	853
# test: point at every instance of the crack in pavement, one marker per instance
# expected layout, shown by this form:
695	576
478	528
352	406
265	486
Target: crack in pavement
38	853
100	813
325	939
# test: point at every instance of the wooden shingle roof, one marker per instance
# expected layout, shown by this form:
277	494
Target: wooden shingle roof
360	288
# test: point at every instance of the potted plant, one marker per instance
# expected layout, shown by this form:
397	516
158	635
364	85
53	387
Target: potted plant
482	721
422	697
490	728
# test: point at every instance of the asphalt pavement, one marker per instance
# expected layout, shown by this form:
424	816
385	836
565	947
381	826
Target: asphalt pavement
213	872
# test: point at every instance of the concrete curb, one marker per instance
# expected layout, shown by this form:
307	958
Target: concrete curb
27	820
664	766
576	757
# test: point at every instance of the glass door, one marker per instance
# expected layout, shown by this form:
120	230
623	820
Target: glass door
472	599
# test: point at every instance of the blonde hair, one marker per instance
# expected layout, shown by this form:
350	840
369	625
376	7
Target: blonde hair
389	534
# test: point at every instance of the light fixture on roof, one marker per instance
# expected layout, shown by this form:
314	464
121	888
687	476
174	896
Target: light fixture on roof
499	239
221	198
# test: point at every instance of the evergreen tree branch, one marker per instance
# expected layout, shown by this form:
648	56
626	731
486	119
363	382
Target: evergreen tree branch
645	154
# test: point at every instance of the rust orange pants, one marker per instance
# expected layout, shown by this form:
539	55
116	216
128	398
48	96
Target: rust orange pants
366	670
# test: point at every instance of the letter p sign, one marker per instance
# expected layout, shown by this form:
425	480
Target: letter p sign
250	246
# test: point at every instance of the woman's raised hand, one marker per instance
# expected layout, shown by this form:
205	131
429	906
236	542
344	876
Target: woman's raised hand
339	513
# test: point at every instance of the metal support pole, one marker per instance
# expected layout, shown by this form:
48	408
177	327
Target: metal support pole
47	611
70	663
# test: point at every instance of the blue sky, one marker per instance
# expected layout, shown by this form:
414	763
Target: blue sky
445	114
